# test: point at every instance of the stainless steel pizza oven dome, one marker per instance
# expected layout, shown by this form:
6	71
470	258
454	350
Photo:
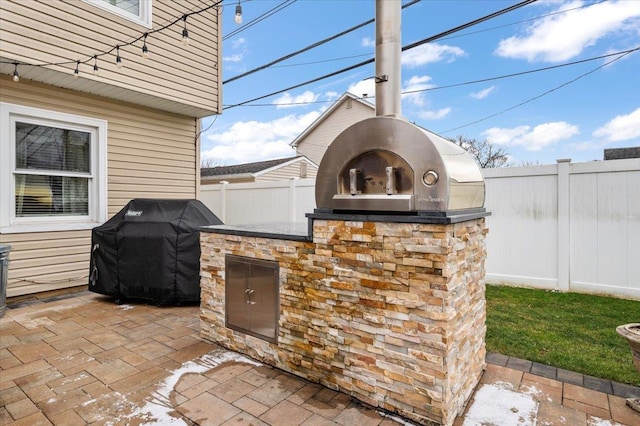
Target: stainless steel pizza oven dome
386	164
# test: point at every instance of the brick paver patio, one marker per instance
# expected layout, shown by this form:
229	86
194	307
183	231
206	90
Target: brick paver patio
84	360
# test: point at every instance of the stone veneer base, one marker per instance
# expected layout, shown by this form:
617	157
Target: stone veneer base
390	313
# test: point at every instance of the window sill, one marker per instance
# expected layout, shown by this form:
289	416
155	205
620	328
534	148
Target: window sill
48	227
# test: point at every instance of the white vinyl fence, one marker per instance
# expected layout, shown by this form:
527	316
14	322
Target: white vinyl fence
260	202
567	227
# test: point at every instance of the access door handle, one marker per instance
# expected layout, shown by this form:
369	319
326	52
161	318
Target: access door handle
248	296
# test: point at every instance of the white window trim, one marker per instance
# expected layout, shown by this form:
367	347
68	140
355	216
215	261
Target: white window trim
97	187
146	11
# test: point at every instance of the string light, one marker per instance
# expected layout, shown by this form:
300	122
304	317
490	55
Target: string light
16	76
118	58
145	50
185	32
238	17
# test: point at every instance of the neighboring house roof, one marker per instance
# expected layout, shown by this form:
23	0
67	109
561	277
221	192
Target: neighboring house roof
344	98
622	153
250	169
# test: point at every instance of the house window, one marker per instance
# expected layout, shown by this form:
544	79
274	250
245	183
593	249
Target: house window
135	10
52	170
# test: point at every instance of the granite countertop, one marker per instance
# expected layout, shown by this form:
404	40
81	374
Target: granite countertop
296	231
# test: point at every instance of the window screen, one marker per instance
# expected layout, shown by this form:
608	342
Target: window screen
52	171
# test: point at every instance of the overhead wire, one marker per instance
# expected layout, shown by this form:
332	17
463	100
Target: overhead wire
311	46
551	67
467	83
265	15
470	33
543	93
410	46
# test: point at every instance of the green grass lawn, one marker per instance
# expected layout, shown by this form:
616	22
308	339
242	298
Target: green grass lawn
573	331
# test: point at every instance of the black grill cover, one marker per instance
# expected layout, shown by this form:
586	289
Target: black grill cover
150	250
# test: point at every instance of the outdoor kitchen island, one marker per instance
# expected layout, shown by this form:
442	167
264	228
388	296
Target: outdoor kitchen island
387	308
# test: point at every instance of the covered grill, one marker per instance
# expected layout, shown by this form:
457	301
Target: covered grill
385	163
150	250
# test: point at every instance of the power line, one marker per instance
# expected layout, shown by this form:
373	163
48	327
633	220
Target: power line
412	45
311	46
484	80
469	24
542	94
260	18
584	6
451	37
467	83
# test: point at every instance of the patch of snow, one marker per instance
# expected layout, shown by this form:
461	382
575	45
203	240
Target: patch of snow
158	409
535	392
32	323
498	404
80	377
597	421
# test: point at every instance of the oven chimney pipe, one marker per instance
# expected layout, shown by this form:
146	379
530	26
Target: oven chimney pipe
388	61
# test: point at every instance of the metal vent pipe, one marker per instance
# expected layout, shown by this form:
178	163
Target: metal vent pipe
388	57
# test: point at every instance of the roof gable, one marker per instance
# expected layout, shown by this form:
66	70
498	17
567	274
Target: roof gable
344	98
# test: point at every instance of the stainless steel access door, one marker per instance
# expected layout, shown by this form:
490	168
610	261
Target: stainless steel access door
252	296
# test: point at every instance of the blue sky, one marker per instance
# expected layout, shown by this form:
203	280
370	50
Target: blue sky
572	111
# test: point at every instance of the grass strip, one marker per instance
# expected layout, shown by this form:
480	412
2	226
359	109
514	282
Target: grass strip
573	331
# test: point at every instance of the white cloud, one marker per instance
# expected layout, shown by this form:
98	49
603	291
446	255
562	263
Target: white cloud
239	49
416	84
368	42
483	93
248	141
620	128
364	87
434	115
238	57
288	101
239	43
429	53
332	95
562	36
532	139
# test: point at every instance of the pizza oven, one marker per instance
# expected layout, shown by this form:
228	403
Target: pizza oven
385	163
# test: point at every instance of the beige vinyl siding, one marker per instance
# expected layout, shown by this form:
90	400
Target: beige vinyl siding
314	145
47	261
69	30
150	154
287	172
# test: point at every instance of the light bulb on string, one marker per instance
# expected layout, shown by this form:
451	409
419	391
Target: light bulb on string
16	76
118	58
238	17
95	65
76	72
185	32
145	49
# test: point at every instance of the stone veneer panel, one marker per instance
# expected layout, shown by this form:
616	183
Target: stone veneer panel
390	313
